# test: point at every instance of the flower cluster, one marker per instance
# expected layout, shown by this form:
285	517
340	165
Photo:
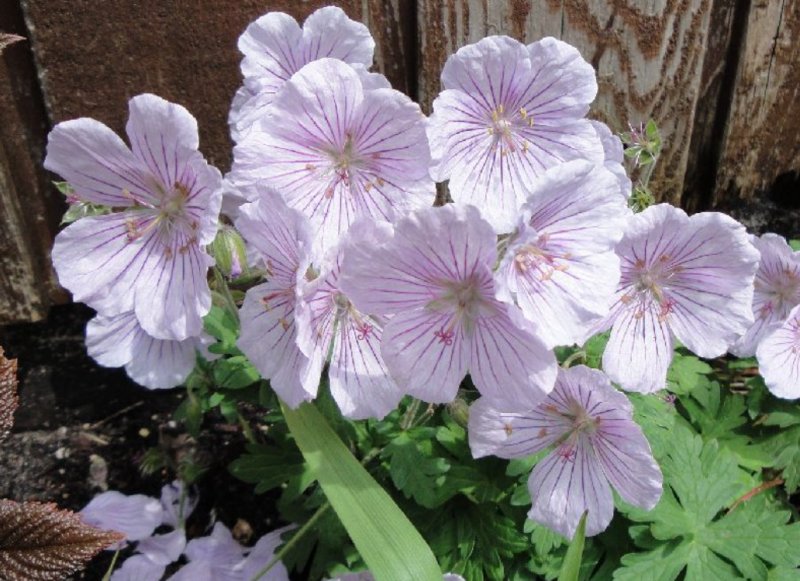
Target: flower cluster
332	187
216	556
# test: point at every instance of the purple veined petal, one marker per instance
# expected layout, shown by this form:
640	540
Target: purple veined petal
138	568
639	350
565	484
163	137
614	156
268	339
111	340
99	261
218	548
578	205
703	267
172	295
205	571
562	84
779	358
328	32
163	549
426	353
488	69
154	363
97	164
618	442
172	495
513	434
406	270
272	48
776	292
260	556
509	365
135	516
238	129
328	322
369	79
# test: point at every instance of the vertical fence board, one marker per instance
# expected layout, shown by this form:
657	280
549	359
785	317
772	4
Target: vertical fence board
648	56
93	56
761	147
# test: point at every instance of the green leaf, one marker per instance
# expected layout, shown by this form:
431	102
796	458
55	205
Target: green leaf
415	470
234	373
221	325
688	531
784	447
686	373
389	544
795	244
572	562
267	467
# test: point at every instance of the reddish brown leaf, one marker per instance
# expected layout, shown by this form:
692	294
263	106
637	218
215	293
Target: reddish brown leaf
7	39
40	542
8	394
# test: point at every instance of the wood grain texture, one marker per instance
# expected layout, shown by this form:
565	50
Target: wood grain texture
29	210
761	145
94	56
648	55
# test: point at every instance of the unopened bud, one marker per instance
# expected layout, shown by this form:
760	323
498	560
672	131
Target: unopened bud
229	252
459	411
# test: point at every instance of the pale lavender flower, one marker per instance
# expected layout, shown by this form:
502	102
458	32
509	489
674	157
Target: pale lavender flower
177	504
275	47
433	276
509	112
135	516
337	150
261	555
777	290
685	277
559	265
150	256
163	549
139	568
212	558
595	444
154	363
614	153
281	238
779	357
329	324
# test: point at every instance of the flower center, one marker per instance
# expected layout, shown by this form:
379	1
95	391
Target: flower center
649	283
536	259
465	299
504	126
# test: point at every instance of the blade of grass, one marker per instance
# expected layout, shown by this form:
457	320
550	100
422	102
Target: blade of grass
572	561
390	545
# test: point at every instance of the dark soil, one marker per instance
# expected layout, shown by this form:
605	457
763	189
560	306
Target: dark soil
81	429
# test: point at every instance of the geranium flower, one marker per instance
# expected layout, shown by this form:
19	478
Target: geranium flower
614	154
559	265
509	112
329	324
120	341
684	277
275	47
280	237
337	150
135	516
433	277
779	357
149	257
595	444
777	290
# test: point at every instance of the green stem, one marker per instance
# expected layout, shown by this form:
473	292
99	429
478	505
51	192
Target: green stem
580	354
293	541
645	179
223	289
410	415
107	576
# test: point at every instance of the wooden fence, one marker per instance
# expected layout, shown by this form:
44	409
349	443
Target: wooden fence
721	78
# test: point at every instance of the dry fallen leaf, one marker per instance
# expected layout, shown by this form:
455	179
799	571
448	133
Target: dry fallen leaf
40	542
8	394
7	39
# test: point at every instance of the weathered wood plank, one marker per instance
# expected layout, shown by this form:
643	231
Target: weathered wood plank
761	149
29	210
93	56
648	55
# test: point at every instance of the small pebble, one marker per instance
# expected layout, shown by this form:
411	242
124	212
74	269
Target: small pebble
144	432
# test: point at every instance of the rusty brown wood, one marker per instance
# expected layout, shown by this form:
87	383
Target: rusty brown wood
760	150
648	56
29	211
93	56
